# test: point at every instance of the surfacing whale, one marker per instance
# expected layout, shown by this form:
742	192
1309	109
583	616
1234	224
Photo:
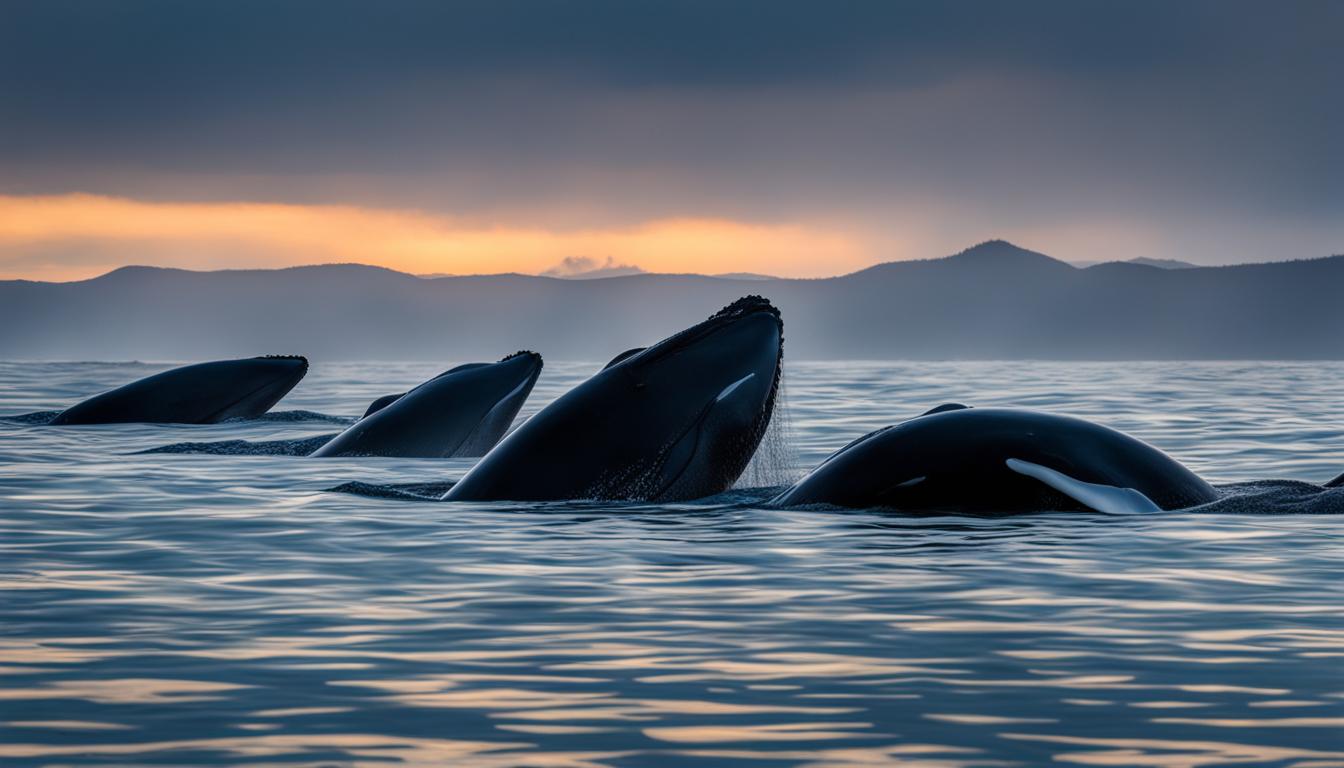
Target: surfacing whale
461	412
204	393
999	461
677	420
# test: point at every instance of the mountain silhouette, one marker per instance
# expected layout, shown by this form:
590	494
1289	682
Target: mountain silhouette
1163	263
993	301
1159	263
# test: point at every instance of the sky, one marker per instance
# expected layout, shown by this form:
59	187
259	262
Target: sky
788	138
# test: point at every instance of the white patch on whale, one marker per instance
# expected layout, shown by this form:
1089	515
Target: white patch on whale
1102	498
728	390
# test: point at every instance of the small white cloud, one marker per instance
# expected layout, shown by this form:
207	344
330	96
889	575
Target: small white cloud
587	267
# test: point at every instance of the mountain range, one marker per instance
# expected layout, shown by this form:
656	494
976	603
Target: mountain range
992	301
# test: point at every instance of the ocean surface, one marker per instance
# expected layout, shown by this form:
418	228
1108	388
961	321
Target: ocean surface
185	609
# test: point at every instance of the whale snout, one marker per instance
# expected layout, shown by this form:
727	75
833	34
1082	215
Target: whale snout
748	348
280	373
525	360
753	315
284	369
762	332
269	379
521	370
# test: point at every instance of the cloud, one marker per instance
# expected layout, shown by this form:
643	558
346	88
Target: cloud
490	135
533	115
589	267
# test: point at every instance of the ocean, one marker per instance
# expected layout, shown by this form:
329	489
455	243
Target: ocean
197	609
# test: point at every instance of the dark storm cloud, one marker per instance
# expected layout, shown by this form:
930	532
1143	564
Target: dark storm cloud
643	109
179	48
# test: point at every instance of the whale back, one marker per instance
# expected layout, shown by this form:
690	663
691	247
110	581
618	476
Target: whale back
386	400
996	461
381	403
461	412
203	393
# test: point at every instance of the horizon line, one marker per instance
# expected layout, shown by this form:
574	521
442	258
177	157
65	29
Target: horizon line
636	272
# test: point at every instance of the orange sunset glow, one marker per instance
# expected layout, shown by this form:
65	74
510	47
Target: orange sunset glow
245	235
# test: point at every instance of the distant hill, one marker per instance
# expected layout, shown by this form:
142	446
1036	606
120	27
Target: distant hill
993	301
745	276
1144	260
1163	263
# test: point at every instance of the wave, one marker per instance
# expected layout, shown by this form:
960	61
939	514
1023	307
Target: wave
36	417
298	416
303	446
403	491
1276	497
434	492
1260	497
282	417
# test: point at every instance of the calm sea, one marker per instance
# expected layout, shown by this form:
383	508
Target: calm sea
213	609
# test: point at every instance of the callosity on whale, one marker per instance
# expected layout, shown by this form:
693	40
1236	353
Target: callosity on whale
999	461
204	393
677	420
461	412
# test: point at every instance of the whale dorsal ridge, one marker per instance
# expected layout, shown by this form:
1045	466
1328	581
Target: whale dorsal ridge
945	407
627	353
381	403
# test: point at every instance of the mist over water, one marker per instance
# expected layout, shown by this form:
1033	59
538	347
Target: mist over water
218	609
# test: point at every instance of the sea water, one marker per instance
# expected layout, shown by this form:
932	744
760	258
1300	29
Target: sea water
184	609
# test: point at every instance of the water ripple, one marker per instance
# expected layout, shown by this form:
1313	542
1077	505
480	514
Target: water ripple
172	609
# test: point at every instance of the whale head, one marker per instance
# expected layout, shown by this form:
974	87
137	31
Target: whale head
677	420
204	393
461	412
711	390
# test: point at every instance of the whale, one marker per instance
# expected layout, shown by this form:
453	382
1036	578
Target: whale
203	393
673	421
461	412
989	461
